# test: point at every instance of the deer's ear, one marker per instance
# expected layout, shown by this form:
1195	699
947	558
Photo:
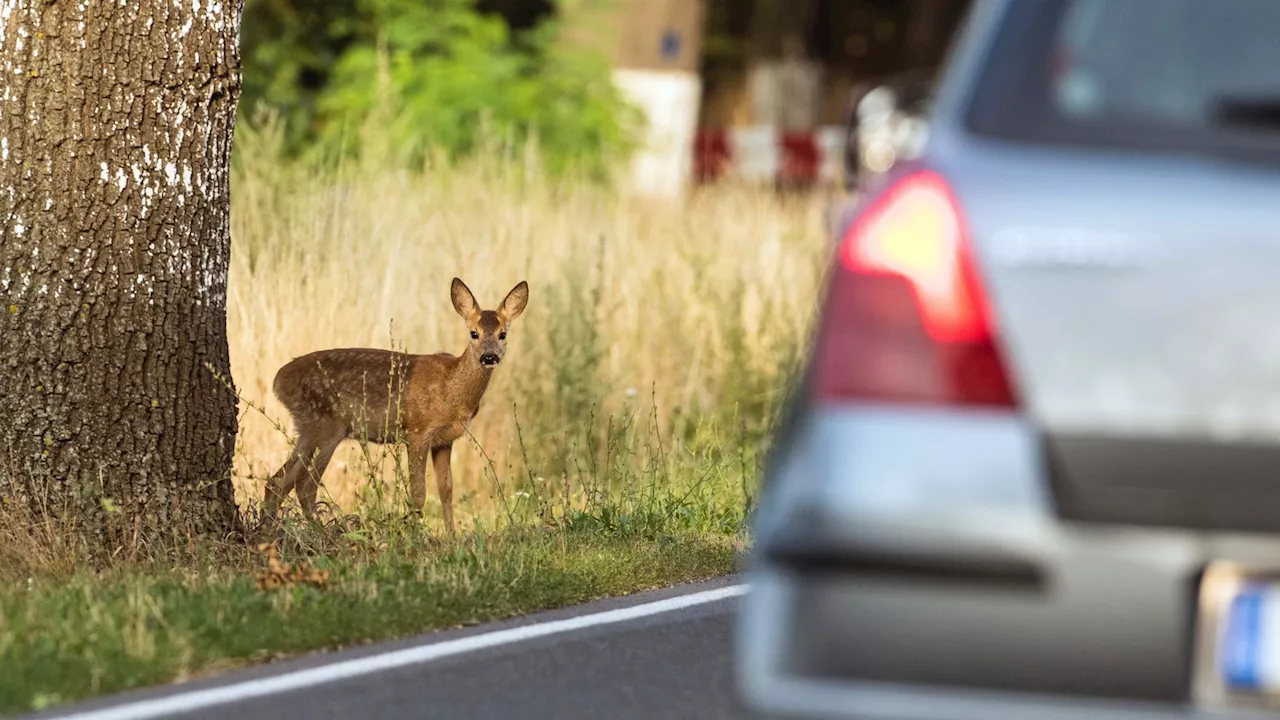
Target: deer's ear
514	303
463	301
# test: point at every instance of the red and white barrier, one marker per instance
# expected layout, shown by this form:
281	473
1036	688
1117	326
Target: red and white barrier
669	100
762	153
766	154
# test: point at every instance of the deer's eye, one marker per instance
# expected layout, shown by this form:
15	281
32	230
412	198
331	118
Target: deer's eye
502	335
475	335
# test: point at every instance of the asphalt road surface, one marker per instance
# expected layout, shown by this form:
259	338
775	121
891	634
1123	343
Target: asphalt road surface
663	654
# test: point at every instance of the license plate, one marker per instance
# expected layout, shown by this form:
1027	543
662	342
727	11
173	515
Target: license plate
1238	638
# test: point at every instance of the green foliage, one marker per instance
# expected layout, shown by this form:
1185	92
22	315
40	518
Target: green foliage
401	79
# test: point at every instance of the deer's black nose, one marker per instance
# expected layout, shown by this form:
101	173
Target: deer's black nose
489	359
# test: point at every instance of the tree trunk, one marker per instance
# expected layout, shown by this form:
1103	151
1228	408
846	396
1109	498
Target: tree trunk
116	123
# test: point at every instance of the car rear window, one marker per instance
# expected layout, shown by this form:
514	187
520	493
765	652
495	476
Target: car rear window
1176	74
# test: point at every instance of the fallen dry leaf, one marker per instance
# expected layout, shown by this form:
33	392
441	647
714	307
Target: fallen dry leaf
282	574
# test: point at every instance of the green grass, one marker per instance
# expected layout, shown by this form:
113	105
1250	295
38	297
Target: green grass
617	450
76	637
644	509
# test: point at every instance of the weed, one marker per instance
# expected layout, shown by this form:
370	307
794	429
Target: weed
618	450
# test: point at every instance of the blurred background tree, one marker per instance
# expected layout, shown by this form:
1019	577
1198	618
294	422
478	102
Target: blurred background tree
410	77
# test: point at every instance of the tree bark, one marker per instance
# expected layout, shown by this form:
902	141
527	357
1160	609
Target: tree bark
116	125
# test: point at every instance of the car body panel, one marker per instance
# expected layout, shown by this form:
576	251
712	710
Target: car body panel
924	577
1045	560
770	689
1138	331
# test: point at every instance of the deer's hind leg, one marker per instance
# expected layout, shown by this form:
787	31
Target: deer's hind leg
327	439
314	448
281	483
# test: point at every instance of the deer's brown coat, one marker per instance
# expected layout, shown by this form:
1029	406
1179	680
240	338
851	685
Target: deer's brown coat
383	396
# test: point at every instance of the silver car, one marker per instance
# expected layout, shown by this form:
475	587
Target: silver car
1034	470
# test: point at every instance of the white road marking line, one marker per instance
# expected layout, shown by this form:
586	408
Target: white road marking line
287	682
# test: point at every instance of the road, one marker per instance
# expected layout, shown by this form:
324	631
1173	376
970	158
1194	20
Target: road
663	654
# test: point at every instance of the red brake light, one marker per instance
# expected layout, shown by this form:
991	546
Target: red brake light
906	319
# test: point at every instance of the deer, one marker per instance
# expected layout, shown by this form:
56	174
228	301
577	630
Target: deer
386	397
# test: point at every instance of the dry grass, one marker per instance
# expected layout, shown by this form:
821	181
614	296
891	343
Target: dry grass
637	393
648	322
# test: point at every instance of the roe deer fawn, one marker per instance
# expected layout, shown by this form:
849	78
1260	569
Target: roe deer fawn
384	396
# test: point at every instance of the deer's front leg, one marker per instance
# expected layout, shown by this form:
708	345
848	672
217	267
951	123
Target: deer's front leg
418	449
440	459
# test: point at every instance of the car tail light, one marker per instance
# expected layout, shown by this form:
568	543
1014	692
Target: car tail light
906	319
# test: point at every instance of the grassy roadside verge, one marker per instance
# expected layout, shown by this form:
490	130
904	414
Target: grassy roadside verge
89	635
617	450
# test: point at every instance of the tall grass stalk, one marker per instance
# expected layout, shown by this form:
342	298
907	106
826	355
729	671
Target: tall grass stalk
658	341
617	449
